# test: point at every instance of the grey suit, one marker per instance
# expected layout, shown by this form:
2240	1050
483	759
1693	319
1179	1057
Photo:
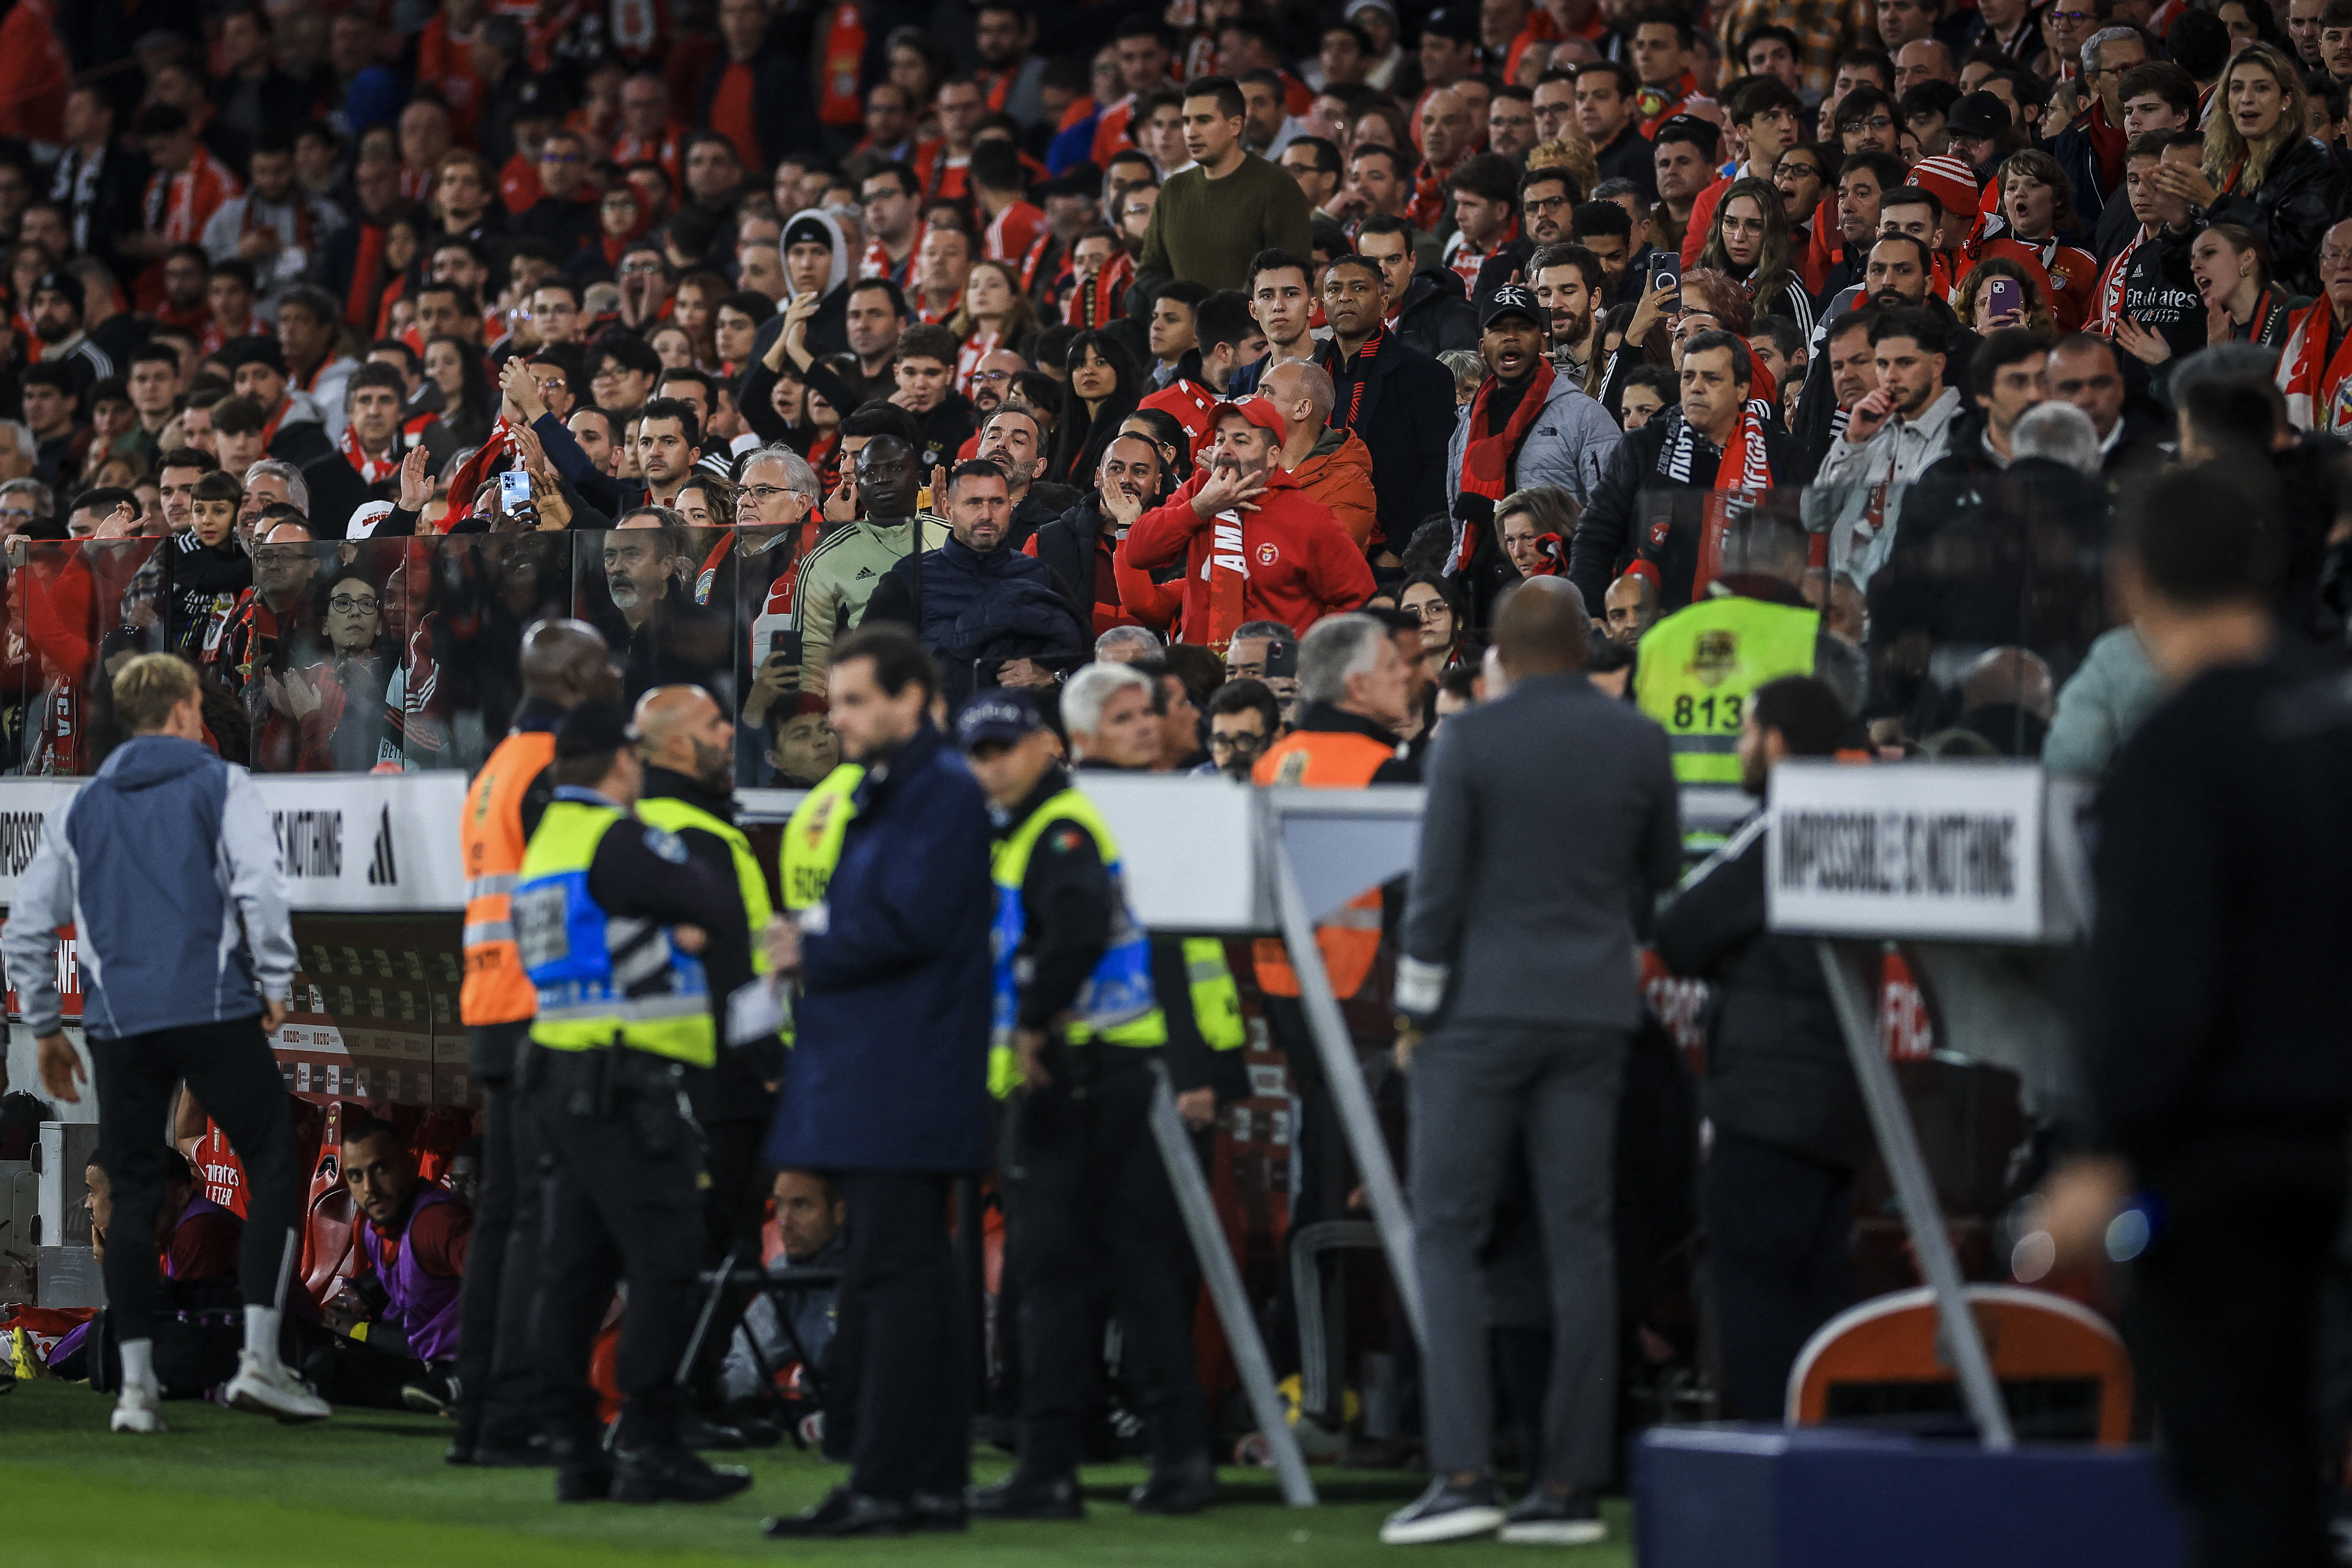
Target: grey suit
1551	818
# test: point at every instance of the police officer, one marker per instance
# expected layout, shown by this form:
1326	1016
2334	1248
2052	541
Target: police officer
1700	667
689	790
564	663
1076	1022
609	914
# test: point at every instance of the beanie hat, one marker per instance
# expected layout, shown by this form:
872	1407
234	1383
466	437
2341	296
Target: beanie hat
1947	179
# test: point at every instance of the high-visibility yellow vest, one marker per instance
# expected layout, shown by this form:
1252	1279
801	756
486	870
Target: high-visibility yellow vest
1216	999
1699	668
1117	1006
593	971
812	839
677	816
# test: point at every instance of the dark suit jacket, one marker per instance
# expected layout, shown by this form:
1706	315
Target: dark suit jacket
1552	822
1406	417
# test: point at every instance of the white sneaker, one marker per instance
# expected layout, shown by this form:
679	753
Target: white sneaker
272	1391
138	1409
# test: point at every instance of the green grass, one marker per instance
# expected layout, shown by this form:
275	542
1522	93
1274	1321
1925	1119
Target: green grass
222	1489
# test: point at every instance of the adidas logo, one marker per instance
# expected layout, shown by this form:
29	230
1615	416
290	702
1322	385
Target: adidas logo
866	571
384	870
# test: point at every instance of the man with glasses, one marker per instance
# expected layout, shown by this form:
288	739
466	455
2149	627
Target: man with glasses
24	501
1244	720
892	203
555	314
565	216
753	576
991	379
2106	55
275	627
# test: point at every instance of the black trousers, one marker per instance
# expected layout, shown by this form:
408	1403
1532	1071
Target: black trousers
732	1208
623	1201
913	1383
495	1374
2224	1324
1087	1206
1779	1240
229	1069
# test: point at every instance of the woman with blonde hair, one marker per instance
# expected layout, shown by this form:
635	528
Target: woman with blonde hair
2261	172
1749	243
996	314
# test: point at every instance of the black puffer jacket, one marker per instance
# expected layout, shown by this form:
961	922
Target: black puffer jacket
2302	193
1777	1069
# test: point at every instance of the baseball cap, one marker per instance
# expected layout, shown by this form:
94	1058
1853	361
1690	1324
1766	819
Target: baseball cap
1000	717
1977	114
1702	133
61	283
1510	299
1459	23
1358	7
366	519
1949	180
594	727
1259	411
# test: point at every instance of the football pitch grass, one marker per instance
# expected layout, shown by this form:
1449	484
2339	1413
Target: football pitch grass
224	1489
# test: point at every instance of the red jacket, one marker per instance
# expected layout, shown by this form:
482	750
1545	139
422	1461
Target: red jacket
1301	564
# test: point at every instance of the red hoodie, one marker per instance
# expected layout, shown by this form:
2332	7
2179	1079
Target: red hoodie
1300	564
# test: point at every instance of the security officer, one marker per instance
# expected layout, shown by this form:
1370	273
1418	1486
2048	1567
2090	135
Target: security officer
1700	667
609	913
689	791
564	663
1077	1026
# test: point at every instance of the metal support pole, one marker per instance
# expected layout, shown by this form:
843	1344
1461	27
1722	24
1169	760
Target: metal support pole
1341	1069
1224	1282
1898	1140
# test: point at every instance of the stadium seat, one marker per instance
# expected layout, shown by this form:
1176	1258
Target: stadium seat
2064	1371
330	1248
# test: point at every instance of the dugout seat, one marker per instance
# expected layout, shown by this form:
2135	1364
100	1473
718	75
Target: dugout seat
330	1240
2063	1373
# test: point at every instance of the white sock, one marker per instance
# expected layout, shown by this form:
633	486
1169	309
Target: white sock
261	1334
139	1366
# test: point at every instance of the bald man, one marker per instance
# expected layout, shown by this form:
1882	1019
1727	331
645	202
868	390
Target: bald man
1629	608
1519	969
1332	466
689	752
563	663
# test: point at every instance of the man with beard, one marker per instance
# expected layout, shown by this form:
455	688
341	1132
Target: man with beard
1082	545
1842	250
850	559
187	270
991	379
690	790
661	635
1569	283
274	626
292	428
1892	436
1895	279
1399	399
669	441
56	308
978	604
1295	563
1014	440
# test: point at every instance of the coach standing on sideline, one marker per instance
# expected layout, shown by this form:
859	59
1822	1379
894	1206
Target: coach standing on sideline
1519	948
888	1080
166	865
564	664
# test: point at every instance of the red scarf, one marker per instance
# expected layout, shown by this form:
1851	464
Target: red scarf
486	459
372	470
1486	455
877	262
1428	203
1744	473
2318	386
363	277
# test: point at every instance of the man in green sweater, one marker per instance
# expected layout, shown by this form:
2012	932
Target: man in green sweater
1211	218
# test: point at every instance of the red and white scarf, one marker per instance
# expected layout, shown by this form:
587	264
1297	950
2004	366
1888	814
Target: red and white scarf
877	262
488	459
2318	387
372	470
2111	284
1745	473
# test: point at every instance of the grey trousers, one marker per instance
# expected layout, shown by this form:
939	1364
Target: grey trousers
1475	1089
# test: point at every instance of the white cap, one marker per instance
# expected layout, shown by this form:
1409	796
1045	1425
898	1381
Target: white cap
365	519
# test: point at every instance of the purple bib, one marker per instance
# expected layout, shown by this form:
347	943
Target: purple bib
426	1304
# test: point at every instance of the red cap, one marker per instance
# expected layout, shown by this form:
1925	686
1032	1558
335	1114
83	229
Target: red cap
1259	411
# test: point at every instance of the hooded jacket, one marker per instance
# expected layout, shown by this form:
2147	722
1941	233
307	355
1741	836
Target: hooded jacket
1569	447
828	330
166	865
1299	563
1436	315
1339	473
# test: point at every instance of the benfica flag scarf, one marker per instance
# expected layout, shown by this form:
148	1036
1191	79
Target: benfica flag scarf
2315	382
1744	473
488	459
372	470
1228	573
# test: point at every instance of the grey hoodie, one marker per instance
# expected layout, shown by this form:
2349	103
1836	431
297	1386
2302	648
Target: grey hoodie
167	868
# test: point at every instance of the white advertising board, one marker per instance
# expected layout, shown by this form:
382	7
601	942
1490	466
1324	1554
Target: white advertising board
1927	851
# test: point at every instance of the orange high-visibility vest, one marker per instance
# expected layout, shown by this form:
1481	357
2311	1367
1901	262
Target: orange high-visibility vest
1350	940
497	991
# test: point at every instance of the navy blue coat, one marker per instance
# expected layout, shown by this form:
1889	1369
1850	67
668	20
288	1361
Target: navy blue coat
889	1070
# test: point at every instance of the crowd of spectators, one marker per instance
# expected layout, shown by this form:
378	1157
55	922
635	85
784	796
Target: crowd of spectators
1065	334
